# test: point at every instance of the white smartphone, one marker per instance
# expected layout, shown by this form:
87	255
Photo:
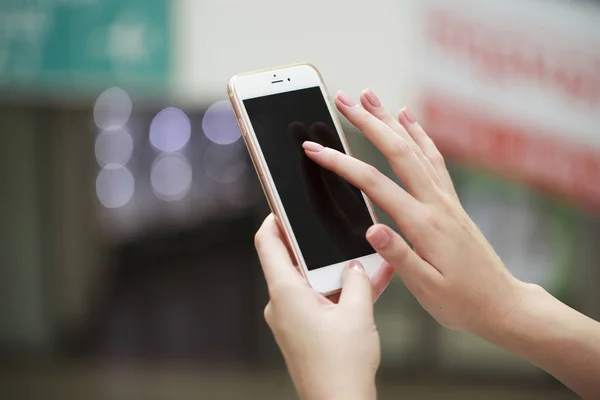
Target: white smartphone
323	217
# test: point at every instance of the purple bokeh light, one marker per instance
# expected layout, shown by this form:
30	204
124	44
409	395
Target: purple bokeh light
219	124
170	130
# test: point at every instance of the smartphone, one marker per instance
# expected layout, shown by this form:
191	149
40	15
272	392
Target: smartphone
323	217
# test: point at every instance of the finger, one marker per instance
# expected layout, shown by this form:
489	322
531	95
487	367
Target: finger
372	104
418	275
275	259
379	282
402	159
331	190
381	279
428	148
379	188
348	201
356	288
311	172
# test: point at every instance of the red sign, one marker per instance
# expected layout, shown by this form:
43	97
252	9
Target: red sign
514	87
464	133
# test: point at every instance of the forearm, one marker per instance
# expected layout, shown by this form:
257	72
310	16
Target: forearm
556	338
369	393
330	389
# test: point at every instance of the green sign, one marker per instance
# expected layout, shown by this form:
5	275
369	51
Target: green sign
535	235
81	45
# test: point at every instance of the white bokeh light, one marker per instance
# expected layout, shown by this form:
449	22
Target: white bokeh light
219	123
115	186
171	177
113	147
112	108
170	130
224	164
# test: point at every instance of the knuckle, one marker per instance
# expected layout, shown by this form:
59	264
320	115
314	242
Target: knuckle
371	175
258	238
437	159
268	313
278	291
401	255
433	153
446	203
364	119
332	158
399	148
430	220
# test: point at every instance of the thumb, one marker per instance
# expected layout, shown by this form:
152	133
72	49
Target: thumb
356	288
419	276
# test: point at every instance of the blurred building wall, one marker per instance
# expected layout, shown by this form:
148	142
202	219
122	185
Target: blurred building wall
76	260
353	43
23	316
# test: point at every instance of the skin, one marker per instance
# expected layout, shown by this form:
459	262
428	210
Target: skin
332	350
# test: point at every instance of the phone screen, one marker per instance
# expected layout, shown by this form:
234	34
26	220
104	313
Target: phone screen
329	216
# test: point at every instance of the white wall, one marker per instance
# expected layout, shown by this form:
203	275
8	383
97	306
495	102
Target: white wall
355	43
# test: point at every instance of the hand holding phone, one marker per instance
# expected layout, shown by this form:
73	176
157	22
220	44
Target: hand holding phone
332	350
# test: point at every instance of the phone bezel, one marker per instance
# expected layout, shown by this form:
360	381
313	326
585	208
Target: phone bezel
326	280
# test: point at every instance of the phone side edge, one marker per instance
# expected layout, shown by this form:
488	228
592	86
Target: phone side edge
259	168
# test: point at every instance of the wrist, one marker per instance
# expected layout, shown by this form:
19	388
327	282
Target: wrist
554	337
500	315
341	390
520	325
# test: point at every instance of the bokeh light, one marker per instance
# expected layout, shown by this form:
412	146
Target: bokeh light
115	186
219	123
224	164
113	147
112	108
171	177
170	130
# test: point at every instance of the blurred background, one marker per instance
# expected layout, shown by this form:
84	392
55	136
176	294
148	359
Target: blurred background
128	202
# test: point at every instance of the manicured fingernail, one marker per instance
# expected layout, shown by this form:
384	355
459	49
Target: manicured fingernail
345	99
372	98
378	237
312	147
356	265
409	116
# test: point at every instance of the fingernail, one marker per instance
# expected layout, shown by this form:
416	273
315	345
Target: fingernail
312	147
372	98
346	99
409	116
378	237
356	266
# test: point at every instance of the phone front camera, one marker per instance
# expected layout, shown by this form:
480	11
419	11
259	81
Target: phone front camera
289	79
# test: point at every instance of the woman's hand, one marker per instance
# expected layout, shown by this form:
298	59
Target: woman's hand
452	270
331	349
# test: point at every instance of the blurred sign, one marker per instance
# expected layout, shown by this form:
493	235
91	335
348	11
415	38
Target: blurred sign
536	237
514	86
78	45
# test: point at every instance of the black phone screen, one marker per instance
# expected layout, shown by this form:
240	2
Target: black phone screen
329	216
